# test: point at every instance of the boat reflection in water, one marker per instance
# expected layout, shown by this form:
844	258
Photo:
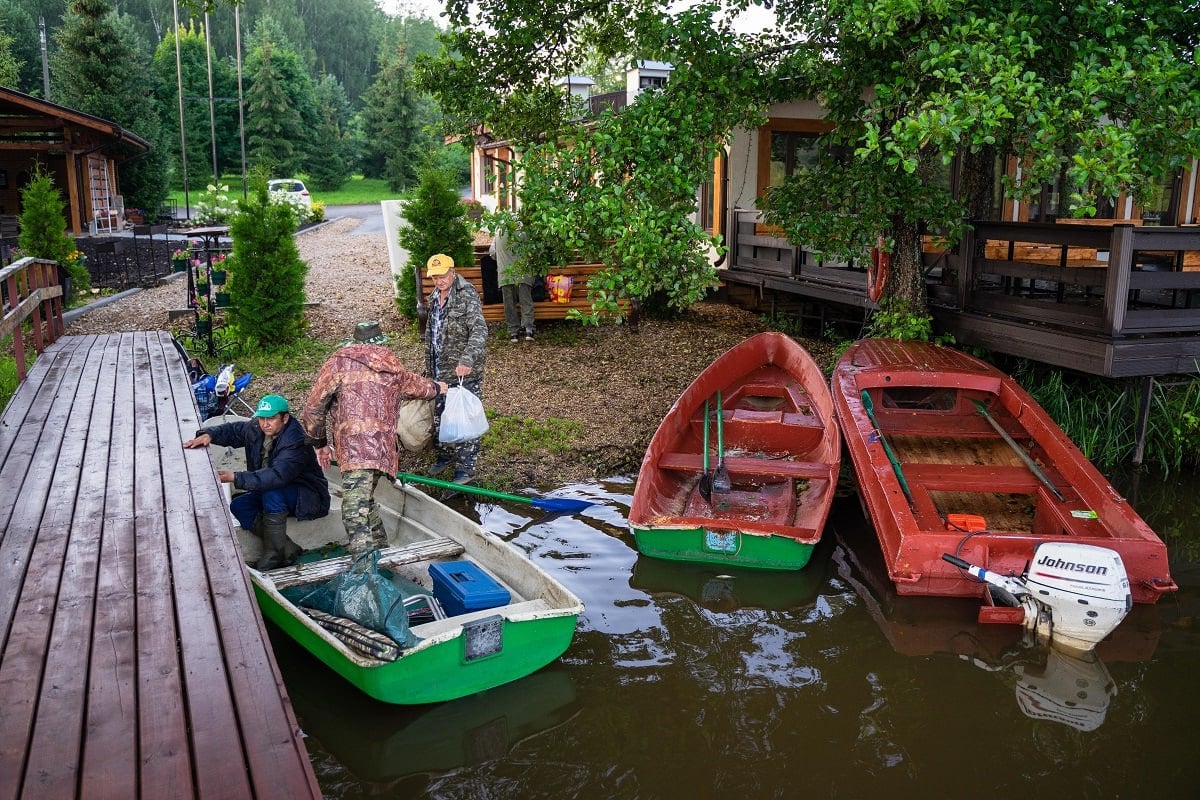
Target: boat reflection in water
1067	687
381	743
724	589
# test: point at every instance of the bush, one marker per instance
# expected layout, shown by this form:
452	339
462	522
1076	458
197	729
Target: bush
266	278
434	222
44	229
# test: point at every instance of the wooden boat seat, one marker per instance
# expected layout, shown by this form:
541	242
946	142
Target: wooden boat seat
389	558
767	467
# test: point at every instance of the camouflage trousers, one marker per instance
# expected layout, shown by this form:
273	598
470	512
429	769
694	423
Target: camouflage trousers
462	454
360	512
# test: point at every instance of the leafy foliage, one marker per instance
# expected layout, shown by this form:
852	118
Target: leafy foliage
394	142
44	227
280	103
98	69
1104	94
332	136
266	277
434	223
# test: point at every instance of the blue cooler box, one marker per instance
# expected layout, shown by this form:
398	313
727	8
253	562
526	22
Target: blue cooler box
461	587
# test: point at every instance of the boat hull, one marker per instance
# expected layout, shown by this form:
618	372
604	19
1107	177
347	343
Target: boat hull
958	486
438	669
781	451
698	545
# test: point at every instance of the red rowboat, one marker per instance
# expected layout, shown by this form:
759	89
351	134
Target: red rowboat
953	456
761	500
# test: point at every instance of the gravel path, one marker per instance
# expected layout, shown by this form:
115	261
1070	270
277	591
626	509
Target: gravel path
615	385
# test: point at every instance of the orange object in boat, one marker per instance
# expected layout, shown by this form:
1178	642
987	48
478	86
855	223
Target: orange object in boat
965	522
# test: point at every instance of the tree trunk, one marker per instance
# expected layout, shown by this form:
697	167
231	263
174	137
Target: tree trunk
906	281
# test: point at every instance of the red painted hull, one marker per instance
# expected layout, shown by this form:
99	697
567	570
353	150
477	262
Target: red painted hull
783	452
954	463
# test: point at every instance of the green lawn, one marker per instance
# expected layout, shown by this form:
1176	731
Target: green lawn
357	191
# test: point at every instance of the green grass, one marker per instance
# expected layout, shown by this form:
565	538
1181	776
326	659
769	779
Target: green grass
512	437
357	191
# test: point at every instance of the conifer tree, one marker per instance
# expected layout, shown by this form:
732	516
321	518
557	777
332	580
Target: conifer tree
97	69
44	227
266	276
395	144
434	222
332	169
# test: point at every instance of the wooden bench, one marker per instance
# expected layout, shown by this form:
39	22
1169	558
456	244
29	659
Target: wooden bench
579	273
778	468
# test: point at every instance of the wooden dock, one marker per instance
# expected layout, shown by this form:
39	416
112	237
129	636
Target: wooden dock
133	661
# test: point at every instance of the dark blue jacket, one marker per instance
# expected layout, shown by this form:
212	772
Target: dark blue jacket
292	462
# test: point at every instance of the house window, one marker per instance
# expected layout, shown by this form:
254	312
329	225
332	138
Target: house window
790	151
651	82
1162	203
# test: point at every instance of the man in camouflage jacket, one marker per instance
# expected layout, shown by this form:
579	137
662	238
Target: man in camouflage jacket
455	350
354	403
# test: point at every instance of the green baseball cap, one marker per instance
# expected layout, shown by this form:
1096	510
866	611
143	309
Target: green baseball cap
271	405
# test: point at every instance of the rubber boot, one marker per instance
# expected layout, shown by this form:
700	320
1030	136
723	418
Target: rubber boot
278	549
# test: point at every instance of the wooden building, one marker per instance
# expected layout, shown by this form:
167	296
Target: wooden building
83	154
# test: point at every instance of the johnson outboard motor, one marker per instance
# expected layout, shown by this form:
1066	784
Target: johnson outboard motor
1073	594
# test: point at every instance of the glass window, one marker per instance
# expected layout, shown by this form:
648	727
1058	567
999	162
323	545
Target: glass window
791	150
1162	202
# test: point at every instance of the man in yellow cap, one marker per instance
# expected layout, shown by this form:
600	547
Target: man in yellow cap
455	352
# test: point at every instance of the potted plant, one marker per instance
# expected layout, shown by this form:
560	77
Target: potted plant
201	277
203	317
219	273
223	300
179	260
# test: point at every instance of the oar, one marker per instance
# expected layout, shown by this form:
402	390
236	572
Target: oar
869	407
544	503
1020	451
705	487
721	482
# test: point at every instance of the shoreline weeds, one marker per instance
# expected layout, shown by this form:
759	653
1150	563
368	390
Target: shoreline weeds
614	384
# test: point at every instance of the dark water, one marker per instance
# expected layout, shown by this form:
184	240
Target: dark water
690	682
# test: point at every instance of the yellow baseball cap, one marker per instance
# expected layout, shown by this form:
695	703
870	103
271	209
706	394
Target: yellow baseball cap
439	264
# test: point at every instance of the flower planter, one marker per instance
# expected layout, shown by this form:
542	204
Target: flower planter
179	266
219	276
203	327
223	300
201	288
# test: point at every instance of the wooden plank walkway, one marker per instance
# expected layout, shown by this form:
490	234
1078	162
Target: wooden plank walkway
133	660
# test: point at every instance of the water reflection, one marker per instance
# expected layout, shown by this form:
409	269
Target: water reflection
707	684
379	743
1072	689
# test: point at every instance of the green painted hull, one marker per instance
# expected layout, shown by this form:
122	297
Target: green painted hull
434	671
736	549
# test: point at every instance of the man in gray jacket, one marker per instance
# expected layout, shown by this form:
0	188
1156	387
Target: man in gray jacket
455	351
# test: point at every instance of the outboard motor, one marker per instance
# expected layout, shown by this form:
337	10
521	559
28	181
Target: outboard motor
1073	690
1073	594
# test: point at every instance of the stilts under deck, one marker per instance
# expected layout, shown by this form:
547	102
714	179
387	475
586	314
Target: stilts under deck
133	661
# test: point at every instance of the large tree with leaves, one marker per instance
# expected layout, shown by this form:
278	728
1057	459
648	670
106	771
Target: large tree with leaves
97	69
1101	91
280	106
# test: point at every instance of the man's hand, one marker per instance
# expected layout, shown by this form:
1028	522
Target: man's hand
225	476
203	440
462	370
443	387
325	456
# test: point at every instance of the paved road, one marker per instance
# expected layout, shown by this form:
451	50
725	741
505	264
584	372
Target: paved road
371	214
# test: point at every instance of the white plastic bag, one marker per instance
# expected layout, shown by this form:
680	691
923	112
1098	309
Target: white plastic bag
463	418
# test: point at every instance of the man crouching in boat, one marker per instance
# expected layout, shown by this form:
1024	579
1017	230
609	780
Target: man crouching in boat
355	402
283	477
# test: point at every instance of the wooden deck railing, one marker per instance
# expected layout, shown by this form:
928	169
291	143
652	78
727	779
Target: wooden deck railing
30	290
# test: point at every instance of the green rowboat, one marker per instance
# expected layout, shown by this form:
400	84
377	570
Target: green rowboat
761	500
456	655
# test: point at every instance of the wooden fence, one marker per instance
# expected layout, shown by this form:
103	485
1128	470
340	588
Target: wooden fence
30	291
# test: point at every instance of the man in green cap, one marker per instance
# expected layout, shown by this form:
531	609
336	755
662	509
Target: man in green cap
282	476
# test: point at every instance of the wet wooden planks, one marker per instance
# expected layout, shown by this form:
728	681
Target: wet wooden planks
133	662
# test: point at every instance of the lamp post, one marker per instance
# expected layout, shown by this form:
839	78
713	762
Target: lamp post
212	119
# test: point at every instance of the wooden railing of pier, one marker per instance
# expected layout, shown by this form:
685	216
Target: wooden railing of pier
30	291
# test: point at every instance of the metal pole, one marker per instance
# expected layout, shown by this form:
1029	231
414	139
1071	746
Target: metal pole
187	203
45	59
237	35
212	119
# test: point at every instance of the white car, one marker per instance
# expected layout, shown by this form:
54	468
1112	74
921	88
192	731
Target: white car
292	190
